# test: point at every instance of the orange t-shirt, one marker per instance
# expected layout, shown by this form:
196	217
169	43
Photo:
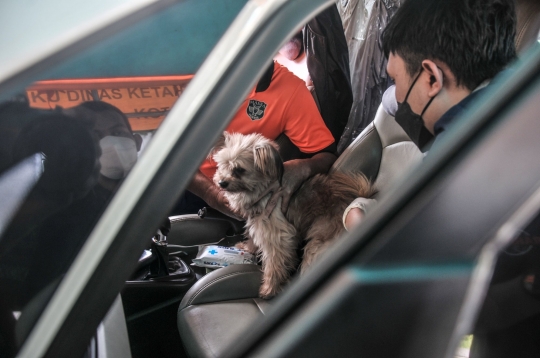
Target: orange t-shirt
286	106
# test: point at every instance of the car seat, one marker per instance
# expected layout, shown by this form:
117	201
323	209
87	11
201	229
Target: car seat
225	302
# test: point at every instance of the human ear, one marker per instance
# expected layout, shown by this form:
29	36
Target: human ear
436	77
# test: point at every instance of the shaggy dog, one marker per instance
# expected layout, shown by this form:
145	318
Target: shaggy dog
247	165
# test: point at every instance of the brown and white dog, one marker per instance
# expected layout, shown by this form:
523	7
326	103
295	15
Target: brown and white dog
247	165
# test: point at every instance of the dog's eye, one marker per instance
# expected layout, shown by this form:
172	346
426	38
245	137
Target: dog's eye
239	170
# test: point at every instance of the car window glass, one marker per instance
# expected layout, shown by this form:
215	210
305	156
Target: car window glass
84	122
510	315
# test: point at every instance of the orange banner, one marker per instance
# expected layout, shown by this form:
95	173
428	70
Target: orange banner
145	100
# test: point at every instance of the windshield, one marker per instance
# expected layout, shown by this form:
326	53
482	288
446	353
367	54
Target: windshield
72	134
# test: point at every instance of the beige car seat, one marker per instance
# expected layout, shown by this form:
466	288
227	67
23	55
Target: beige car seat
383	152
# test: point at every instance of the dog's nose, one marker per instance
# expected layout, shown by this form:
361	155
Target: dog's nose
223	184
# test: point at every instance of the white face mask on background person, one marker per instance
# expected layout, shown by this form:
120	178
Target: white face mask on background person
118	156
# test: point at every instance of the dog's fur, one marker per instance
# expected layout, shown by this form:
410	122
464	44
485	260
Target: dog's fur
248	165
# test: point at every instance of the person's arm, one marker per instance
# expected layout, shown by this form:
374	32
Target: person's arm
353	218
354	214
204	188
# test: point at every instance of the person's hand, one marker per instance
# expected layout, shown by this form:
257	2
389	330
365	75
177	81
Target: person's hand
217	200
294	174
204	188
354	217
355	212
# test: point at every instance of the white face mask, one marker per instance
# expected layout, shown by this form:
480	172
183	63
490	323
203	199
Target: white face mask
118	156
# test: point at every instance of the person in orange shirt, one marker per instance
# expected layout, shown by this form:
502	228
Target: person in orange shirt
280	103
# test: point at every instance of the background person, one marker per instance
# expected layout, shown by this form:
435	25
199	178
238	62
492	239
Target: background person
119	145
61	236
441	54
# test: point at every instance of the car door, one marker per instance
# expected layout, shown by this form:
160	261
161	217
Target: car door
408	263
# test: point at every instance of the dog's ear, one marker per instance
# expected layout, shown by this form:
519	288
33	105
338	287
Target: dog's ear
220	143
268	160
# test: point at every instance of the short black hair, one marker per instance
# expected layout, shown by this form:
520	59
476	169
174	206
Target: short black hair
100	106
475	38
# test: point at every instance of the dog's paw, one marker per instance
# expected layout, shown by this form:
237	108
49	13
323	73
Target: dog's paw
241	245
247	246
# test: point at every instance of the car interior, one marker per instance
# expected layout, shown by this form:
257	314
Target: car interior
407	282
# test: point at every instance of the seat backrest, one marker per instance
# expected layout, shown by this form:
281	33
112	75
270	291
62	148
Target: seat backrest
383	152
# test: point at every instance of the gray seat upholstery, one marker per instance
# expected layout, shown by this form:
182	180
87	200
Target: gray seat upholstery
383	152
219	307
191	230
224	303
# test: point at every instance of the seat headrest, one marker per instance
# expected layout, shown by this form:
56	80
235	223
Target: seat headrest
365	152
389	130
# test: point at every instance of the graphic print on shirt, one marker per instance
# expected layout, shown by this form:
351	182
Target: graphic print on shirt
255	109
